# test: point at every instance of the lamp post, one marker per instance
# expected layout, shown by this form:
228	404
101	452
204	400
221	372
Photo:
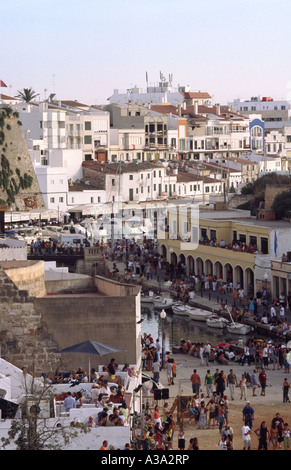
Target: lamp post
266	280
162	317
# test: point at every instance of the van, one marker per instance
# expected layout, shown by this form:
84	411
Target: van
74	239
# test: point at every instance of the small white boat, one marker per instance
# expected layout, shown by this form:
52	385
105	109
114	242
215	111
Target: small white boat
199	314
161	302
216	322
180	309
148	298
238	328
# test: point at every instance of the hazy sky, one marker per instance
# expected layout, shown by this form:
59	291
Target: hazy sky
84	49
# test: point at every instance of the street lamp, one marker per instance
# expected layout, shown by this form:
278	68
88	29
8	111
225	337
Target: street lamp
162	317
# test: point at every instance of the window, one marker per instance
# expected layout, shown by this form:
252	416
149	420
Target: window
87	125
88	139
264	245
131	177
61	199
212	234
52	199
92	200
203	232
113	182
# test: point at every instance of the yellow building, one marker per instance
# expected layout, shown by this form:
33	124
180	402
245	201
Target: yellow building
201	252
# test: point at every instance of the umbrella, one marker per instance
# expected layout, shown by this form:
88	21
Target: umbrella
91	347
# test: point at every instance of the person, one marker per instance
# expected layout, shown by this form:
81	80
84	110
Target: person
104	445
222	443
280	422
266	357
196	382
220	384
248	414
263	434
58	377
202	410
69	402
181	438
91	423
174	374
213	413
194	444
111	370
246	436
79	400
286	436
274	435
254	381
156	369
207	350
169	369
231	383
208	382
156	416
286	387
263	381
193	406
243	387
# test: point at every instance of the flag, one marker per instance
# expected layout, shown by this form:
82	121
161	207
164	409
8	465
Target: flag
275	244
2	84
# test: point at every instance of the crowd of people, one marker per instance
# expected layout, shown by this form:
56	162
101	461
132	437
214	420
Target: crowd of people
235	245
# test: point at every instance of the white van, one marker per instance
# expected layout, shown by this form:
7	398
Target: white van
73	239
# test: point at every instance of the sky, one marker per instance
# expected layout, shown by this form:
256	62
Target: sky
83	50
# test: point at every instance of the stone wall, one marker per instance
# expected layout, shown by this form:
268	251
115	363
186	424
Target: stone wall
72	319
34	329
17	154
23	339
27	275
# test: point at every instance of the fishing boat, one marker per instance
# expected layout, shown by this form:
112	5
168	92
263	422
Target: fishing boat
217	322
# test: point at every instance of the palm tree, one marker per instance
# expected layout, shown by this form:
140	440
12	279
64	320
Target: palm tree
27	94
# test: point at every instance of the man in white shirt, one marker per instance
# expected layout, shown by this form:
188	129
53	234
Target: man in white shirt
282	314
246	436
273	314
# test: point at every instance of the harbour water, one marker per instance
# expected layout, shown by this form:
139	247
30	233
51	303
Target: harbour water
177	328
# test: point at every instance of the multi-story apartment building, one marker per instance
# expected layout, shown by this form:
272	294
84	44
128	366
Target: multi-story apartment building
210	130
139	133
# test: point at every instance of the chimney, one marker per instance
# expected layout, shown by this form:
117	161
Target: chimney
195	107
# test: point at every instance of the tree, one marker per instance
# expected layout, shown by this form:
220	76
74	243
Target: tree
27	94
282	204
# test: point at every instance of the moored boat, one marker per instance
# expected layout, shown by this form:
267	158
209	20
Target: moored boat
162	302
180	309
238	328
216	322
200	314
